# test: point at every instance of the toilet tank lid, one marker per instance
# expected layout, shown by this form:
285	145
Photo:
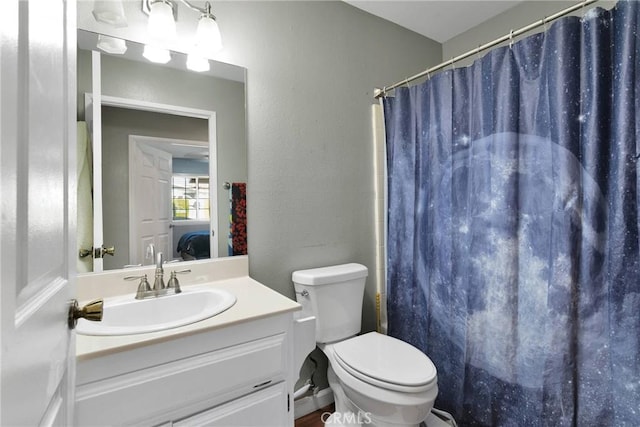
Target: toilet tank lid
331	274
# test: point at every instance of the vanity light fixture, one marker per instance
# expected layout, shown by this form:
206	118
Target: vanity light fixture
110	12
156	54
197	63
111	44
208	36
162	23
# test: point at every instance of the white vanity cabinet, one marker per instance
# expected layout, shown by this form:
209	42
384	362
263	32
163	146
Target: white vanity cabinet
254	410
237	368
236	375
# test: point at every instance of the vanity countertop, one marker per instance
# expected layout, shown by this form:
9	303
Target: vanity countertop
253	301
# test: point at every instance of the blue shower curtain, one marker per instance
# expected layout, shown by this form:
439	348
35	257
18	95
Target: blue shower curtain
513	251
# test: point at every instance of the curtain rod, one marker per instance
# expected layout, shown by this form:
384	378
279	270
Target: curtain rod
378	93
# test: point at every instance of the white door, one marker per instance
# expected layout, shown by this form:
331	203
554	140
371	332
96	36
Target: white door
37	195
150	211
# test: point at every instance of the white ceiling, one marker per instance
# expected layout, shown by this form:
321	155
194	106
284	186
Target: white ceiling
437	19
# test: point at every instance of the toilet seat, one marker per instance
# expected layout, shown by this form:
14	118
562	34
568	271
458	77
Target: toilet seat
386	362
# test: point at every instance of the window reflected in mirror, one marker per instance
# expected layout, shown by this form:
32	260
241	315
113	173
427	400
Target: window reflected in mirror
190	198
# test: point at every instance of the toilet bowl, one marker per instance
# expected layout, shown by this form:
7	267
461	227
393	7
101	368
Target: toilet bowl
377	380
387	379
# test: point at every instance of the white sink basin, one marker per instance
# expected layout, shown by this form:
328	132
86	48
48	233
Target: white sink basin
125	315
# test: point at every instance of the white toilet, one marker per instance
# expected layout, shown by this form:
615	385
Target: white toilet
376	380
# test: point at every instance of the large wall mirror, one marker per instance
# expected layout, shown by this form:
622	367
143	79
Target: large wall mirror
172	166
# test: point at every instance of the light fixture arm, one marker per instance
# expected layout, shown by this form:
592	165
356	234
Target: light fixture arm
208	40
206	11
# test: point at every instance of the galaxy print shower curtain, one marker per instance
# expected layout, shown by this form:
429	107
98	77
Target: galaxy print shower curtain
513	258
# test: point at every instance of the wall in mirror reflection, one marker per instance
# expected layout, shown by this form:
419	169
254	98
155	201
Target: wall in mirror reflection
152	83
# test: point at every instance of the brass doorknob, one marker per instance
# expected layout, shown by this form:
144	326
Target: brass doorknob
83	253
101	252
92	311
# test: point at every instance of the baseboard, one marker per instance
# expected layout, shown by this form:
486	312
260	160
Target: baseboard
313	402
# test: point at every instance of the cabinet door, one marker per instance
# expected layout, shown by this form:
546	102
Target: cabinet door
264	408
203	381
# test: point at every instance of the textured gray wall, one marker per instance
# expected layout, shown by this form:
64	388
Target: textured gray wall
312	67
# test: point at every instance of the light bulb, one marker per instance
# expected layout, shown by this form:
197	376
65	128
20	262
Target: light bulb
111	44
208	35
156	54
195	62
161	24
110	12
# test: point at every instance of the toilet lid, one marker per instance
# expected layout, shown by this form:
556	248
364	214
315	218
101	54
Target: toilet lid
385	361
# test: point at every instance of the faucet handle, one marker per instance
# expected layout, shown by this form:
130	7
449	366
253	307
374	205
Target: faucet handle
143	288
173	281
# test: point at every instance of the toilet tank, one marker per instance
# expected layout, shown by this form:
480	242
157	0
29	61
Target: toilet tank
334	296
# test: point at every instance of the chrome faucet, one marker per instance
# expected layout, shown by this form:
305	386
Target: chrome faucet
158	283
159	288
151	253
